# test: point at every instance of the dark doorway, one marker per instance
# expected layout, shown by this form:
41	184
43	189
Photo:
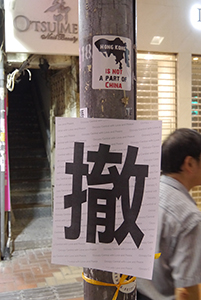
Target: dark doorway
30	179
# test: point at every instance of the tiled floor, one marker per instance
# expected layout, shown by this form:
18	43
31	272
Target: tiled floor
31	269
30	274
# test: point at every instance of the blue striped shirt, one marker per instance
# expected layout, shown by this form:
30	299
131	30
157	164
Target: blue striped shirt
178	241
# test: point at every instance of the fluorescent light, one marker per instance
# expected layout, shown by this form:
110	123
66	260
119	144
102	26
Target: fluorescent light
157	40
195	58
148	56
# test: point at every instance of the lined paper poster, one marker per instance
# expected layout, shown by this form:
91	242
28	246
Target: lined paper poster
106	194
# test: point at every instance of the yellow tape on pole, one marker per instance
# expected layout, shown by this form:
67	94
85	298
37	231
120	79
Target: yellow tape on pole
2	137
122	281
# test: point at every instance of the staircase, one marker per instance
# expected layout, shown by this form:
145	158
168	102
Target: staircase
29	175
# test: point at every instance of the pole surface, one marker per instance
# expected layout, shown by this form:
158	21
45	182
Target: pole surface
105	18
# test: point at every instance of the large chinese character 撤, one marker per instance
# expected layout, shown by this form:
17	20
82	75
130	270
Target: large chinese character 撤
102	201
75	200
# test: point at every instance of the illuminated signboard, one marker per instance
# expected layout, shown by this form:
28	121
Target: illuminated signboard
195	16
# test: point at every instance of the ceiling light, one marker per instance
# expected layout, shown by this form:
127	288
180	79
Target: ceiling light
148	56
157	40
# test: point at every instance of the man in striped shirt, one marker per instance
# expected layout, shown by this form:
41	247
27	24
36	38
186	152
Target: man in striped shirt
177	273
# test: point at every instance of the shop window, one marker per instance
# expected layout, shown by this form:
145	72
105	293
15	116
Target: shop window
196	111
196	93
157	90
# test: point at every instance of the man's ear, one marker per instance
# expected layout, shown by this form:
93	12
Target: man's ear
188	164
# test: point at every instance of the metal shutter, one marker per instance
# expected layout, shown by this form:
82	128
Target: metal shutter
196	111
157	89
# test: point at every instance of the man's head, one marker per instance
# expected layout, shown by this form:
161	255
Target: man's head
181	144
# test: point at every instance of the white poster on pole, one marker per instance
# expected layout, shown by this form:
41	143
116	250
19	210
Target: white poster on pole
111	63
106	194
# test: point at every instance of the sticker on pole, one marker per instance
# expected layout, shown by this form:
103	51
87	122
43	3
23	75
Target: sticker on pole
127	288
111	63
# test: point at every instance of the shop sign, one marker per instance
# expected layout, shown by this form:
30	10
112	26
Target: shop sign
48	26
195	16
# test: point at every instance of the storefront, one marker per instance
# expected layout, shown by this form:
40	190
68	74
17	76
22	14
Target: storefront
169	53
168	56
41	64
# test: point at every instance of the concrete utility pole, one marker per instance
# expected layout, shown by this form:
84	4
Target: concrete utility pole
107	35
2	133
103	18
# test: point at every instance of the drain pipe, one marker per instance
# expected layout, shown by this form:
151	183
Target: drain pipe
2	132
8	250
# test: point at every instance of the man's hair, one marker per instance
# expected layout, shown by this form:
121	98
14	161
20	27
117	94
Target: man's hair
179	144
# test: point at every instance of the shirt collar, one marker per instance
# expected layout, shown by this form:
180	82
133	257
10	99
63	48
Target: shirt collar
177	185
